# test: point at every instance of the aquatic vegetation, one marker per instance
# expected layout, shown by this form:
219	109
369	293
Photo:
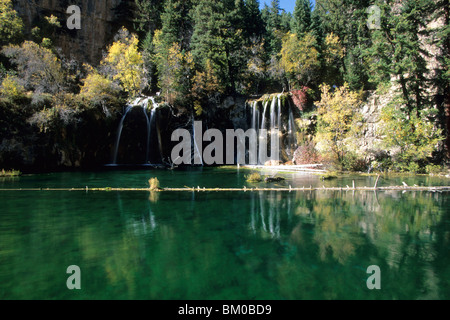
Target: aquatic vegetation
10	173
329	176
154	184
253	177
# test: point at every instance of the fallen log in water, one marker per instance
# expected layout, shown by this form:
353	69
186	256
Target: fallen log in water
245	189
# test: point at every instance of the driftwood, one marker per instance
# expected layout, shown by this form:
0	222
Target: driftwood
245	189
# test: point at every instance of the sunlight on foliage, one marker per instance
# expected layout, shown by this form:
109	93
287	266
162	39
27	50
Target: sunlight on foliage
300	58
337	120
413	138
11	88
11	26
126	62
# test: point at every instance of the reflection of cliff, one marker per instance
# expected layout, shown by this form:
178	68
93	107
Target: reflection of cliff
99	22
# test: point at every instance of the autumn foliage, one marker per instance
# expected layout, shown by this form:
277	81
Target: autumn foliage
300	98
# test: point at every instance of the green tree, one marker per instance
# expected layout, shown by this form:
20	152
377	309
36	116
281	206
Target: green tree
176	23
175	67
217	38
11	26
147	15
253	22
398	51
148	51
347	19
442	40
272	19
413	138
302	17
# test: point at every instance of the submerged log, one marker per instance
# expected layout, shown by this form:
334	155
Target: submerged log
245	189
273	179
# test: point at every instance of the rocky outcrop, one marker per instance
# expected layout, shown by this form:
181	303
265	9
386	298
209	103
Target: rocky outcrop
100	20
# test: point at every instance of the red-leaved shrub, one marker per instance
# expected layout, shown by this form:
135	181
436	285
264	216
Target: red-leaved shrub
300	98
307	154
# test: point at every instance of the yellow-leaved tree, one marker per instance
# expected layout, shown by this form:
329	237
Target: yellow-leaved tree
205	87
299	58
11	89
99	90
333	54
337	119
125	63
11	26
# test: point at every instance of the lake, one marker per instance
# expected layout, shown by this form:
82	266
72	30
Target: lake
221	245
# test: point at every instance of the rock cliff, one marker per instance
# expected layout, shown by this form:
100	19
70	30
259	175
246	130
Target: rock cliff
100	20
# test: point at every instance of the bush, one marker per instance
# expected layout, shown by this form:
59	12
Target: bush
254	177
433	169
11	89
307	154
154	184
351	162
11	173
415	137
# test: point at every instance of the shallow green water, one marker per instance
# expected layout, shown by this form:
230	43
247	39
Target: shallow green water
265	245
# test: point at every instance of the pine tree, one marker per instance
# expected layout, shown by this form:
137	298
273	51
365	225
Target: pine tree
272	19
346	19
147	15
217	38
302	17
176	22
398	53
253	22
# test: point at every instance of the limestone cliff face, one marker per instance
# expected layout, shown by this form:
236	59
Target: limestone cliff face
100	20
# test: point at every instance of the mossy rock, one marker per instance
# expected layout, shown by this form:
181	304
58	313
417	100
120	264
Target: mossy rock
254	177
329	176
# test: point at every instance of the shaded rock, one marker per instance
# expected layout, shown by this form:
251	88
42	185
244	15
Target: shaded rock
273	179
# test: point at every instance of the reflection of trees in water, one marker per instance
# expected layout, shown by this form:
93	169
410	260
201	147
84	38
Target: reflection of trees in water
254	245
316	245
342	219
397	231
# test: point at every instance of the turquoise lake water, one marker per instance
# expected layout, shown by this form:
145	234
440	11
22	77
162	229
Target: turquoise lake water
252	245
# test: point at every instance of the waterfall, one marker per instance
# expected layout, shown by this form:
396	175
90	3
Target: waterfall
292	138
255	114
147	150
279	113
119	133
273	121
262	138
272	114
197	154
144	103
263	121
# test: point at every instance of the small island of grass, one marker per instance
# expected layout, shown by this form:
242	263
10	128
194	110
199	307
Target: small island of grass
10	173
